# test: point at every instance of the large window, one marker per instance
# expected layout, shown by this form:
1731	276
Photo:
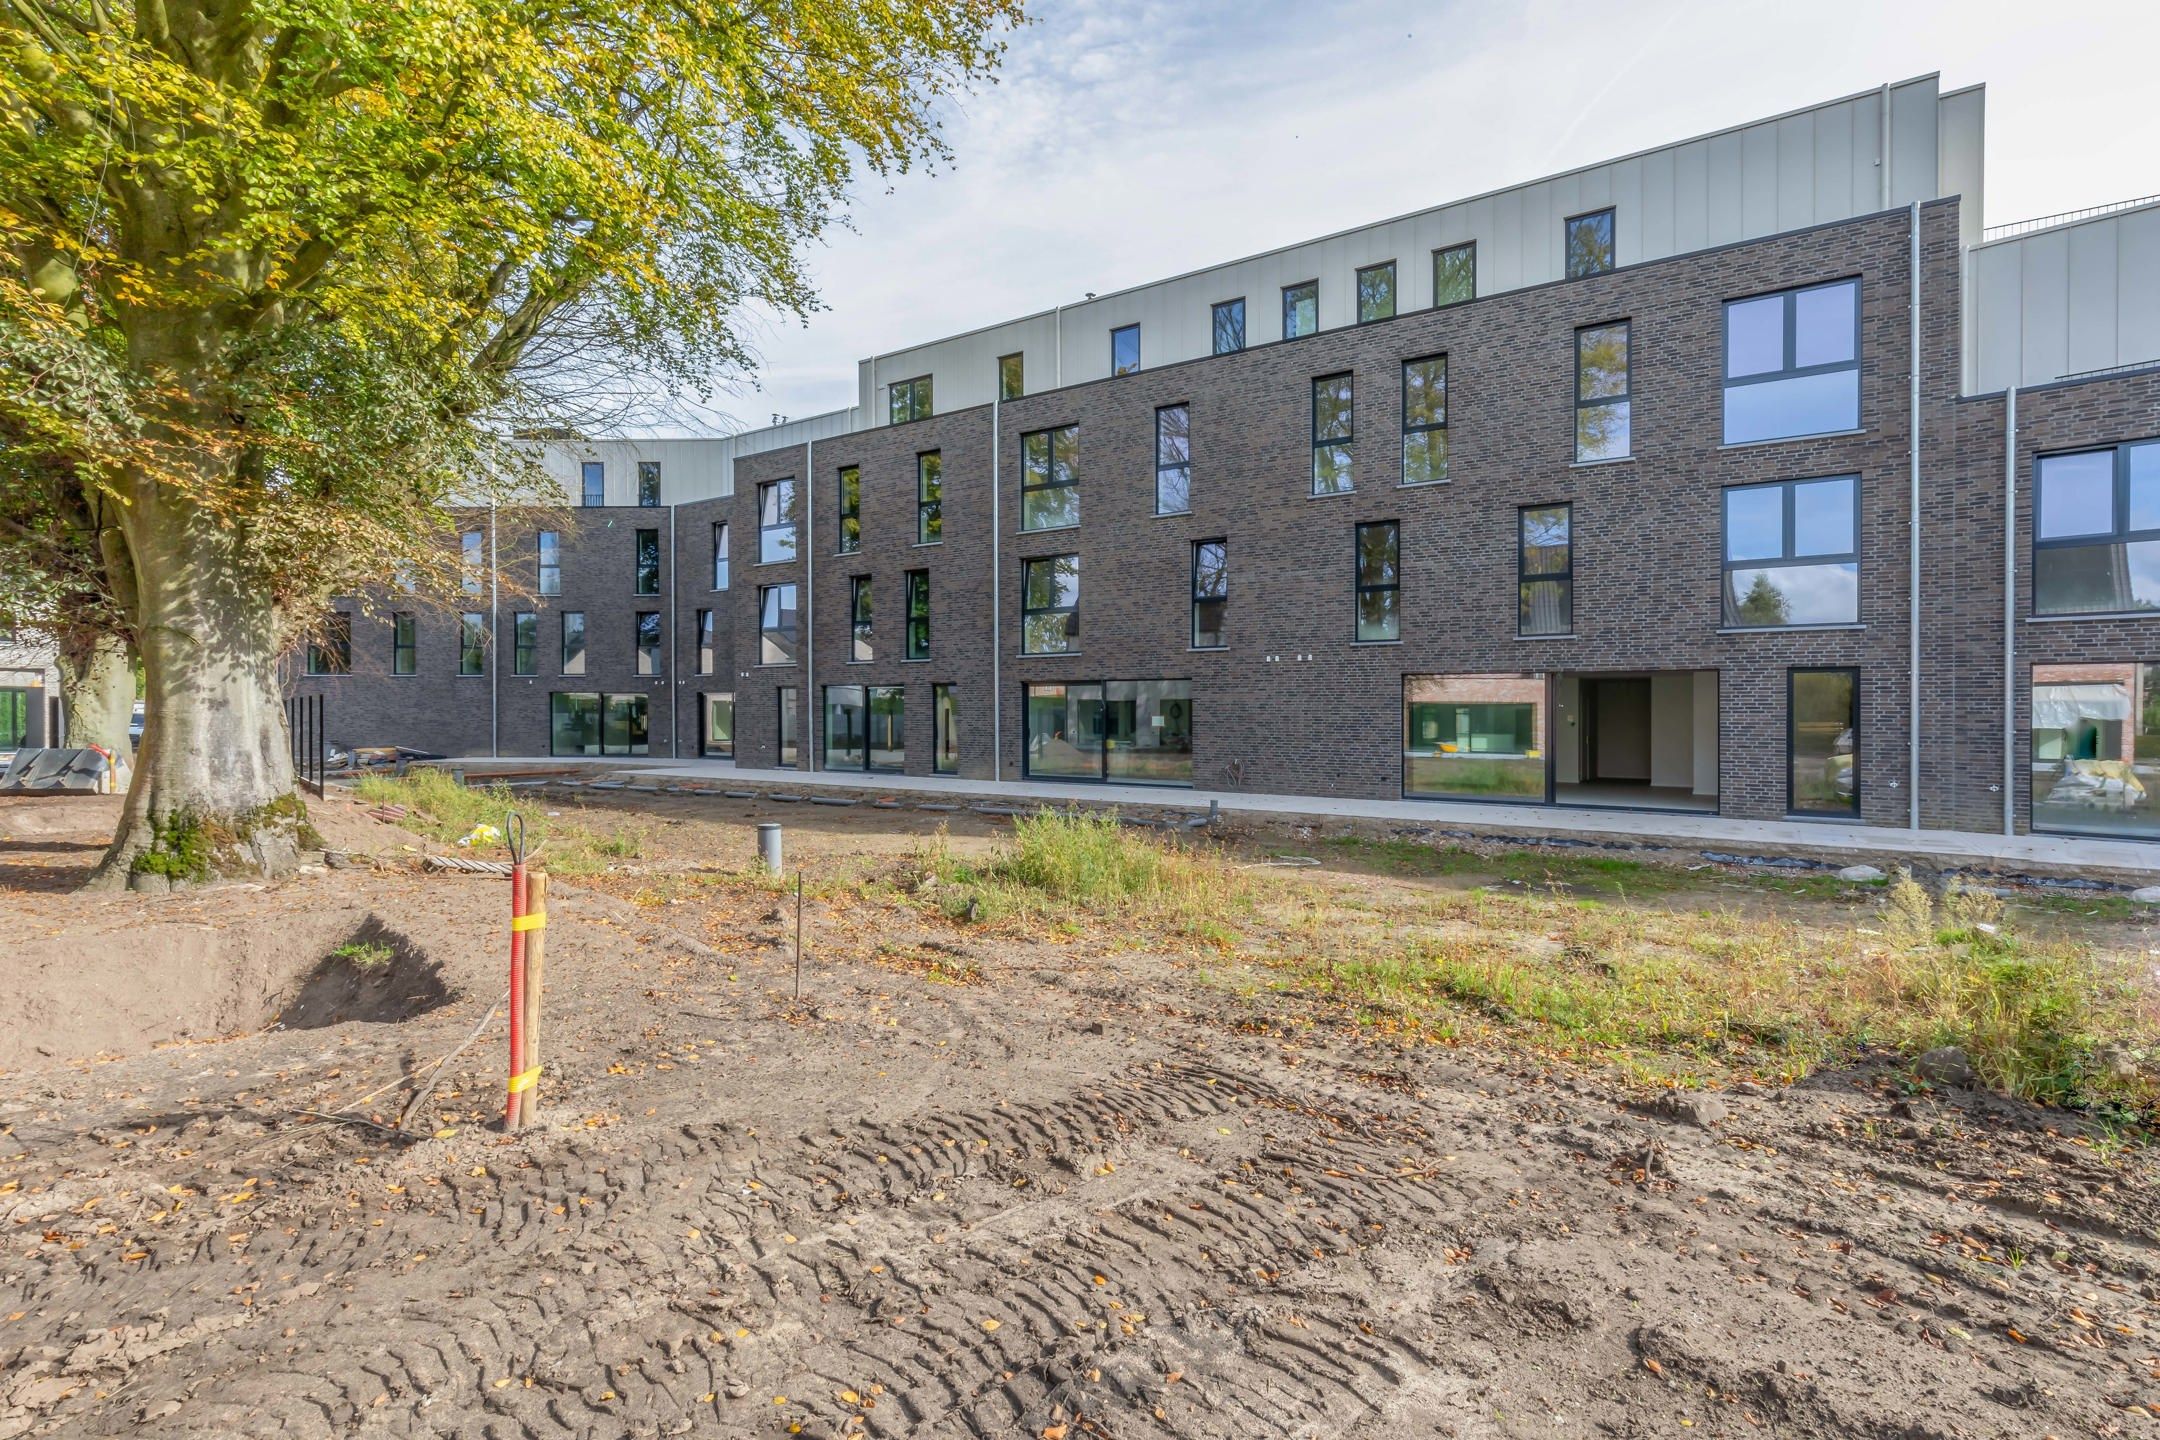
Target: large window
15	712
1333	430
1012	377
648	482
790	732
1132	732
1173	460
1792	363
404	644
1210	592
1379	580
2096	749
550	563
705	642
717	738
720	555
776	521
860	646
329	652
1602	419
1589	244
1474	737
918	614
908	400
865	727
850	509
1424	420
590	724
648	643
1050	605
2096	531
524	643
776	624
1454	274
472	643
648	562
594	476
1545	571
1050	478
1792	553
929	498
1300	309
472	560
1125	350
573	642
1376	292
1228	324
1823	708
945	730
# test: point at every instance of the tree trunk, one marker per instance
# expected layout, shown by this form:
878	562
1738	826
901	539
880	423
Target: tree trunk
213	789
97	685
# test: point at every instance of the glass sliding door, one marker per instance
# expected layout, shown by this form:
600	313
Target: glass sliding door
1475	737
846	744
888	727
1147	731
1823	711
2096	749
623	725
573	724
1065	731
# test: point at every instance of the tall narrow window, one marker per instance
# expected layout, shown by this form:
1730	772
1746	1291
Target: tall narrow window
594	475
1379	581
918	614
1125	350
472	560
1424	421
1332	432
1229	326
718	738
648	642
945	728
1210	592
550	563
1792	553
1602	421
859	619
850	509
1454	274
648	483
472	643
525	643
1589	244
1300	309
1545	572
573	642
1173	460
776	624
648	562
720	555
705	645
1050	605
404	644
776	521
929	498
1376	292
330	651
1823	712
1012	376
1792	363
790	746
908	400
1050	478
2096	531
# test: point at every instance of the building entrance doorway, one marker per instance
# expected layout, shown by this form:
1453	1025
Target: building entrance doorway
1642	741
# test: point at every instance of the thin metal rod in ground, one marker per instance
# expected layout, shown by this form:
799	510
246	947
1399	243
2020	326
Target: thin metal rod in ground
798	936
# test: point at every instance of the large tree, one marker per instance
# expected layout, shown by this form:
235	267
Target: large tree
284	272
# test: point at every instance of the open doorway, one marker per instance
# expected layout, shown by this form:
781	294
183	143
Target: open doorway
1642	740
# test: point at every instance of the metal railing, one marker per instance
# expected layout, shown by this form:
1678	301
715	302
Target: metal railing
2047	222
303	726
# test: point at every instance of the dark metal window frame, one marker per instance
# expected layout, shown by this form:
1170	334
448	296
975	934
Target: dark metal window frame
1789	368
548	557
330	653
1289	308
792	633
1102	756
721	569
1393	289
1361	587
600	700
1790	514
1018	388
1216	314
562	658
1523	576
472	560
1792	711
1163	467
864	694
2117	532
1049	481
862	643
472	642
847	509
930	497
1220	595
404	643
648	483
786	523
648	562
917	404
592	478
1611	216
1134	331
707	637
525	642
1425	428
918	615
1320	443
943	690
1627	384
787	697
1028	612
1438	255
651	658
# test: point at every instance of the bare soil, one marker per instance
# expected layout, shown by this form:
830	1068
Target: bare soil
1090	1186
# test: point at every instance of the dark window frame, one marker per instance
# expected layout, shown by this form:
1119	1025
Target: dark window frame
547	546
472	643
1014	391
930	497
784	525
917	404
866	696
943	690
1789	511
600	701
647	569
1234	307
918	615
1524	577
1164	467
790	635
722	568
1425	427
563	661
404	643
330	653
651	653
1028	612
1790	369
1219	596
1101	687
1361	587
1625	397
592	478
1289	308
2118	532
862	618
1120	330
705	642
1610	214
472	560
525	642
847	509
1049	482
1792	685
1438	254
786	698
648	484
1345	441
1394	291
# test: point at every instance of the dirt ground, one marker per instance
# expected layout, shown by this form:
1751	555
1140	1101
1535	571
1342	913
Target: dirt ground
1086	1186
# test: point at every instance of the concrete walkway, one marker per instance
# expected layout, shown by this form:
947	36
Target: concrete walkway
2127	860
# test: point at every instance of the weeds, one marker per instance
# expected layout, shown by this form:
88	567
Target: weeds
366	956
442	809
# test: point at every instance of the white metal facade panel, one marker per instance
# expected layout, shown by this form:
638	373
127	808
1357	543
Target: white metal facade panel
2077	298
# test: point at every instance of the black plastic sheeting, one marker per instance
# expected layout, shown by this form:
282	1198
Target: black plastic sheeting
77	772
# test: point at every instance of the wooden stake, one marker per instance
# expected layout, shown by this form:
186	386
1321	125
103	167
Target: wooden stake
535	971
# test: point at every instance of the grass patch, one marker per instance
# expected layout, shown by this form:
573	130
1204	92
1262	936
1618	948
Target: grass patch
1607	874
441	809
366	956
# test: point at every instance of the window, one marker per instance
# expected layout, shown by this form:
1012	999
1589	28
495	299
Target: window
2095	729
1792	553
1300	309
1792	363
1601	392
1424	421
1050	478
859	647
1454	274
705	637
929	498
945	730
908	400
1012	377
329	652
865	727
790	732
718	737
472	557
404	644
1210	592
1589	244
1331	434
2096	531
1173	460
1545	572
776	521
720	555
525	643
1050	605
1379	581
1474	737
1823	714
776	624
648	562
589	724
472	643
550	563
1133	732
918	614
648	642
1229	326
1376	292
648	483
850	509
595	479
573	642
15	715
1125	350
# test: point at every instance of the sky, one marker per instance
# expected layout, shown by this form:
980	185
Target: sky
1128	142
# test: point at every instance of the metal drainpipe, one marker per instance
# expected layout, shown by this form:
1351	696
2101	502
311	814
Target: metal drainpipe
808	541
997	606
674	621
494	635
2009	780
1912	800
